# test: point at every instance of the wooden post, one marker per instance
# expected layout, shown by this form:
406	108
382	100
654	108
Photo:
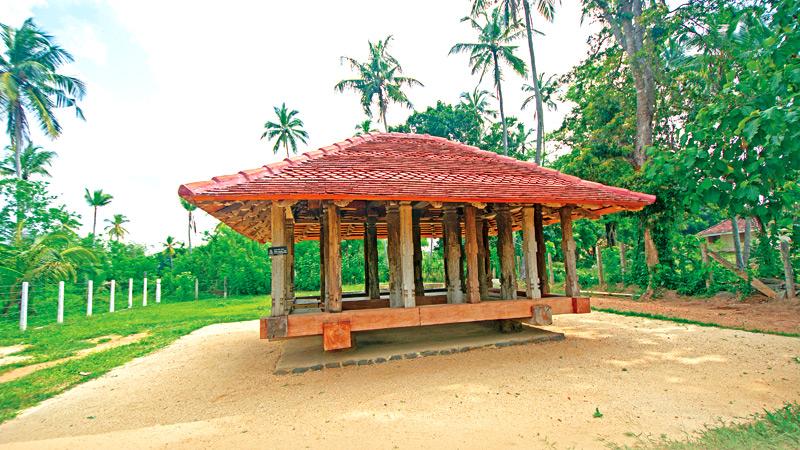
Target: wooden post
623	262
196	288
323	229
598	253
89	294
225	287
483	284
60	311
371	257
289	260
788	272
278	262
530	253
111	294
407	255
704	257
487	256
333	260
452	253
130	293
571	288
471	251
550	276
419	285
23	307
144	291
505	252
393	254
538	224
158	290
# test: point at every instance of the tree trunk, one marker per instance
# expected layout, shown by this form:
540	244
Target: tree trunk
645	105
788	272
737	243
18	145
747	241
500	100
650	250
601	277
94	222
383	118
537	92
190	232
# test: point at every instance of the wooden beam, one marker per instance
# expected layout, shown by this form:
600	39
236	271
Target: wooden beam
393	253
289	259
530	252
452	253
336	335
538	223
571	288
598	253
471	247
322	272
505	251
406	255
483	283
333	260
371	256
278	262
755	282
311	324
419	285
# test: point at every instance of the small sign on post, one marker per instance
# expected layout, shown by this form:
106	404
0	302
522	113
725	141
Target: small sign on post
278	251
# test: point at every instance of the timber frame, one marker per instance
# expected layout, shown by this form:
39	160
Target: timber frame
389	186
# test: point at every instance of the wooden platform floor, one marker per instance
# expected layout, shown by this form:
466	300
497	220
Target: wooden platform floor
381	346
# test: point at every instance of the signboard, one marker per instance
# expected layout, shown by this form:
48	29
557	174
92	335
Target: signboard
276	251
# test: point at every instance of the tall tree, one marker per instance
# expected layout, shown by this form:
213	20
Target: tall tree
380	80
491	52
286	131
191	225
364	127
546	9
30	83
33	161
96	199
547	92
478	101
115	227
170	249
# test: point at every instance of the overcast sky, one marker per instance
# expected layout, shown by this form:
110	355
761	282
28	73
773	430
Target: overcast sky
180	93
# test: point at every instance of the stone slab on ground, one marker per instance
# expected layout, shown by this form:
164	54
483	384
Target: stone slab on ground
379	346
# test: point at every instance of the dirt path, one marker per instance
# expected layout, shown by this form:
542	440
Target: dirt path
214	388
755	313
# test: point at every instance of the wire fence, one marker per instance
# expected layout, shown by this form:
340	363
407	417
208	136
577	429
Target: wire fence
34	304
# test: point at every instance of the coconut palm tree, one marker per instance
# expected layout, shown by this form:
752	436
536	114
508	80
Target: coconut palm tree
286	131
192	226
115	227
546	9
33	161
379	80
170	249
48	257
547	92
365	127
96	199
491	52
30	82
477	101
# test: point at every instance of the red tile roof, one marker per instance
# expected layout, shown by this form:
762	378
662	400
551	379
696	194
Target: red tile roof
399	166
725	227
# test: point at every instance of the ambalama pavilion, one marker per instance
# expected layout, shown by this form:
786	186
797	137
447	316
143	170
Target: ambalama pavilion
402	187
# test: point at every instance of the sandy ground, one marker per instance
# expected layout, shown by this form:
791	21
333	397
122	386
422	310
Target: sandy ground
754	313
214	388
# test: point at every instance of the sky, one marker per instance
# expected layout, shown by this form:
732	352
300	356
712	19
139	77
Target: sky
180	93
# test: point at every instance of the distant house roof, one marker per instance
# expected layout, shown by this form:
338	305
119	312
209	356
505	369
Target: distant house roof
725	227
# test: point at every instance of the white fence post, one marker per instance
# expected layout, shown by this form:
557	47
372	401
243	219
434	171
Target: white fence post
23	307
60	315
130	293
144	292
196	288
111	294
89	292
158	290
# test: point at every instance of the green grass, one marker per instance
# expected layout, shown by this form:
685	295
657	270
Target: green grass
164	323
690	322
779	429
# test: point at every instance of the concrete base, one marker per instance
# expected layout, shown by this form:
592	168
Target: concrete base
379	346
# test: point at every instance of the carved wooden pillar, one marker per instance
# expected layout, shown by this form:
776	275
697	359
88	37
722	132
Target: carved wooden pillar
483	283
371	277
393	254
406	253
419	285
538	223
333	260
289	242
278	231
529	250
487	256
452	253
505	252
322	273
471	250
571	288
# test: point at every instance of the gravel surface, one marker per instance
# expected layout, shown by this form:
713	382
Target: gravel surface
215	388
